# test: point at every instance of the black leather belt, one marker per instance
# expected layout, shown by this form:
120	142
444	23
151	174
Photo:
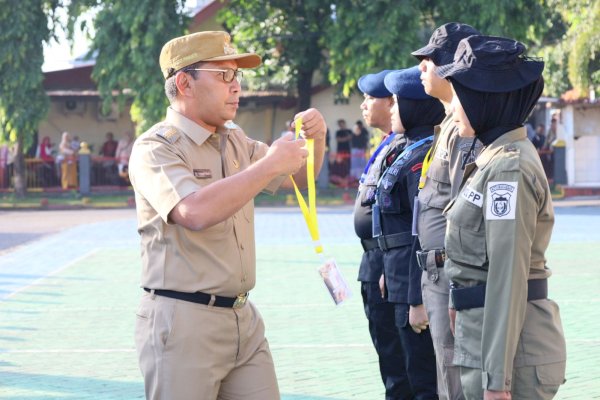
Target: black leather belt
369	244
465	298
440	258
204	298
387	242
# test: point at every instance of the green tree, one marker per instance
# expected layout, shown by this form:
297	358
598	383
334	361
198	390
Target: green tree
288	34
23	102
367	36
128	37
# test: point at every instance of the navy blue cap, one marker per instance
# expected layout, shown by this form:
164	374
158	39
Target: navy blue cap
406	84
372	84
444	41
492	64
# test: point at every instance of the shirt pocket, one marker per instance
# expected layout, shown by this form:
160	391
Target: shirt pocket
439	174
465	236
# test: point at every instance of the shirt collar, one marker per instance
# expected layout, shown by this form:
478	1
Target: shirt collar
194	131
496	146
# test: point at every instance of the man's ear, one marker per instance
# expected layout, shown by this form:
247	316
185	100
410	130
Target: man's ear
182	81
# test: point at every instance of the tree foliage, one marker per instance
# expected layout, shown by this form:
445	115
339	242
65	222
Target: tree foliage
288	34
128	38
23	102
368	36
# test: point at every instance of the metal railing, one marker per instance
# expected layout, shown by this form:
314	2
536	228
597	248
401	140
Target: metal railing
47	174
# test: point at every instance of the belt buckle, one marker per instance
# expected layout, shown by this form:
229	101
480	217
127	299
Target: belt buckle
240	300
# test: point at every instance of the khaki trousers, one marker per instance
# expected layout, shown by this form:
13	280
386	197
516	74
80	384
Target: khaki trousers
540	382
193	351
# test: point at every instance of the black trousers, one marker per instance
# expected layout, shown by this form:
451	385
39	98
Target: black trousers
419	356
384	334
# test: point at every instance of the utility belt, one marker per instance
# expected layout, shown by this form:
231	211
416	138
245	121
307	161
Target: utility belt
387	242
465	298
204	298
438	255
369	244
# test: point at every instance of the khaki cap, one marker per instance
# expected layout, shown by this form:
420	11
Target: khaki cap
202	46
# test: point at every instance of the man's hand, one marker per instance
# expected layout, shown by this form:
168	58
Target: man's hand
417	318
382	286
313	124
452	315
287	155
494	395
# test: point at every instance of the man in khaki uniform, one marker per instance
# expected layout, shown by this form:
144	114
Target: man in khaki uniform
195	176
509	341
440	179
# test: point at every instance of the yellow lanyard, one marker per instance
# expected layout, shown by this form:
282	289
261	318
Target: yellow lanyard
309	211
426	163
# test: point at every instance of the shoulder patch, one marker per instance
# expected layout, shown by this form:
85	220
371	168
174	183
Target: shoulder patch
501	200
170	134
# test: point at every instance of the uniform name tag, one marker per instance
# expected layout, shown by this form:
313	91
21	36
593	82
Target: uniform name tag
501	200
473	196
202	173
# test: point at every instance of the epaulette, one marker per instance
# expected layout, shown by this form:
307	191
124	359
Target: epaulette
168	133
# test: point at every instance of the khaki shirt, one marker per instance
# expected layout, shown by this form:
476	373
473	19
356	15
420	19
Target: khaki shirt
444	176
172	160
499	227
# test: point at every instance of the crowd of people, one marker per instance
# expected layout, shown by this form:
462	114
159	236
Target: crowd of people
453	212
53	164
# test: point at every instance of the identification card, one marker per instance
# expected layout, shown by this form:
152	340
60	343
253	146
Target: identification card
335	282
415	221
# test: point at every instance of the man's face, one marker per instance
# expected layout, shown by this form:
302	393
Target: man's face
460	118
397	126
214	100
433	84
376	111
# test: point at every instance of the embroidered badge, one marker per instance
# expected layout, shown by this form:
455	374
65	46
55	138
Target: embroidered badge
441	153
501	200
202	174
472	196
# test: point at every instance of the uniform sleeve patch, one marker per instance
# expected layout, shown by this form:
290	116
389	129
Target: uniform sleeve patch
501	200
170	135
472	196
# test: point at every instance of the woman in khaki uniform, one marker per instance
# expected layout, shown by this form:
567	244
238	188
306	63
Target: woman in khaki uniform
509	341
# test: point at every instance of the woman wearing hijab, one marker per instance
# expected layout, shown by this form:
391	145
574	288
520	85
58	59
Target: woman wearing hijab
414	114
509	341
68	167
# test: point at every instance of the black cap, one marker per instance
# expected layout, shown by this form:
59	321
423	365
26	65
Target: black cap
492	64
443	42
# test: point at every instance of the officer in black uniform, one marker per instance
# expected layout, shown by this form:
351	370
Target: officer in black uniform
415	114
380	313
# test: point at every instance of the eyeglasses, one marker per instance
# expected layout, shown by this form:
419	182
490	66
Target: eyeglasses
228	74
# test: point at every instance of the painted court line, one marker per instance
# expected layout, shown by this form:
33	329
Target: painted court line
56	271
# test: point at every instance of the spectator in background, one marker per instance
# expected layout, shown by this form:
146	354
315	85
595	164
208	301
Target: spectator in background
360	142
45	149
547	153
539	139
45	168
341	166
75	143
109	148
68	161
123	153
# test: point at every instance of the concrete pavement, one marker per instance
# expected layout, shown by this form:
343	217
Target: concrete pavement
68	298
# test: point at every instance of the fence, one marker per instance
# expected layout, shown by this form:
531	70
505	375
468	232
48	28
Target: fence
46	174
